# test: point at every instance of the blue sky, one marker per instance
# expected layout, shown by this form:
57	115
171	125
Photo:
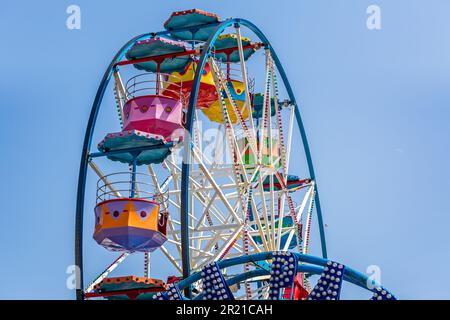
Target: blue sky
375	105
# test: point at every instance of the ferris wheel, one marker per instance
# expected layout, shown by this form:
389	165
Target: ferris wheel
209	168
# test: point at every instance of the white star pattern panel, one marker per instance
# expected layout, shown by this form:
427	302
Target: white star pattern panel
381	293
172	293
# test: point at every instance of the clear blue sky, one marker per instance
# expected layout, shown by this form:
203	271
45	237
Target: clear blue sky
376	106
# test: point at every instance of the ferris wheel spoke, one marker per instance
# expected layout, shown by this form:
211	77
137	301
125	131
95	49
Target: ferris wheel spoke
200	252
290	131
221	227
214	211
223	239
247	193
205	213
134	184
245	80
160	187
203	188
250	185
197	187
233	245
283	154
215	186
280	219
172	168
170	220
201	260
257	174
216	236
235	208
256	294
234	235
198	142
209	205
259	177
120	86
221	84
267	236
270	151
165	184
295	220
281	158
307	199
